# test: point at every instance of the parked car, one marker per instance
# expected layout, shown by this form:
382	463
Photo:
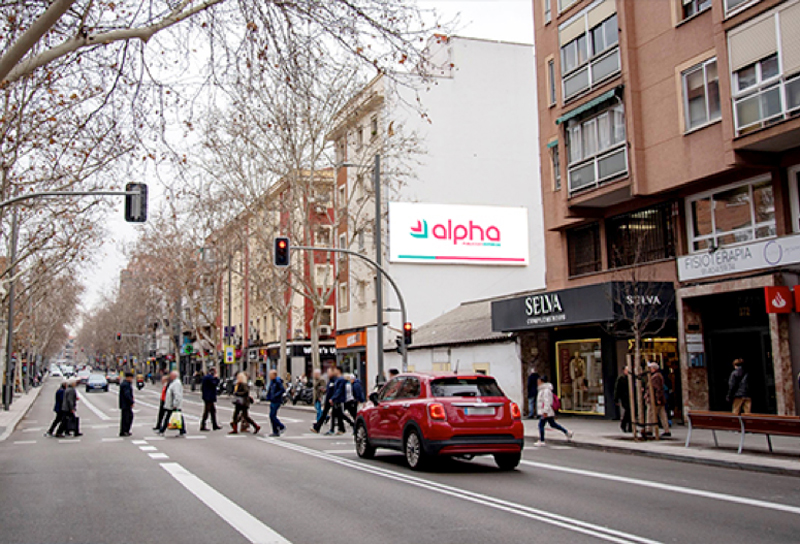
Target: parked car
96	382
424	416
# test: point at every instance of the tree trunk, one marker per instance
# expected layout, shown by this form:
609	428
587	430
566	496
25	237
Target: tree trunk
315	364
282	355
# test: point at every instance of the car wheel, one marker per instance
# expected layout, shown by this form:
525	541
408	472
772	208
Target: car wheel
416	458
363	448
507	462
105	389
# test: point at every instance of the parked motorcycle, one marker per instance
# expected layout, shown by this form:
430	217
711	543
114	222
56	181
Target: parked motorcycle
302	392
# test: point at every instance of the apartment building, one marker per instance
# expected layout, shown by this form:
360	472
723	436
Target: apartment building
461	220
669	140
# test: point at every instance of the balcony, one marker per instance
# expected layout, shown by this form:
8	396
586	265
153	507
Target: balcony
591	74
594	171
770	103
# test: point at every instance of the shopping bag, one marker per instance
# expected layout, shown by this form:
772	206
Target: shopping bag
175	421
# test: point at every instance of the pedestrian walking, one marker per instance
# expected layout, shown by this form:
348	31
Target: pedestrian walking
60	415
546	410
275	398
161	410
622	397
739	388
337	401
326	405
209	390
358	392
533	390
318	391
173	403
126	405
656	408
241	404
71	422
351	404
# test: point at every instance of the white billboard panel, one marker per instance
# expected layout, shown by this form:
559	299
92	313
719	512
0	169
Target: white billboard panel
452	233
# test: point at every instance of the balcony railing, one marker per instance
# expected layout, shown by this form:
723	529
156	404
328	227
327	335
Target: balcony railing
767	104
590	74
592	172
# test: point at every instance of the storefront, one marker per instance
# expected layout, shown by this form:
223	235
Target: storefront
298	359
351	350
581	338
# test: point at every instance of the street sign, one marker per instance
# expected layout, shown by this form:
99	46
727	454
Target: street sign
230	354
188	349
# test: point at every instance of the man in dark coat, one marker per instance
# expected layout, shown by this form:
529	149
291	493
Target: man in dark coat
58	410
275	398
209	389
622	396
739	388
533	391
337	401
70	423
126	405
326	406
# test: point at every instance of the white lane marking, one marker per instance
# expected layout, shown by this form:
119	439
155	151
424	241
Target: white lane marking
148	448
27	430
89	405
69	440
554	519
154	438
243	522
669	487
197	437
308	436
111	439
236	436
139	442
158	456
101	426
350	451
24	442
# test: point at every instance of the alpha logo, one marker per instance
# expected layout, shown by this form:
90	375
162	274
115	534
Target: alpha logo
471	234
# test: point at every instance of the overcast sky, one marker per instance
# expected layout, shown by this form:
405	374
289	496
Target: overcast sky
506	20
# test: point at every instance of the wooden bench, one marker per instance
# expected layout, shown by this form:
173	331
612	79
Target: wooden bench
765	424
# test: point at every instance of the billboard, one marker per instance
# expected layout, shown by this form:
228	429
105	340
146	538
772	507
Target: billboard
463	234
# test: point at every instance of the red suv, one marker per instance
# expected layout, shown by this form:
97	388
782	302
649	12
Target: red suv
425	415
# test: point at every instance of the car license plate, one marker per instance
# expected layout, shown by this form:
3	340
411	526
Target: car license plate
479	411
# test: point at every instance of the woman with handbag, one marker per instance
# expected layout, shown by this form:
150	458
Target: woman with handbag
241	403
173	405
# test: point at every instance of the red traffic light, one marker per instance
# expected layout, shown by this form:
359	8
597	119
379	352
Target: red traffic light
281	256
119	336
407	329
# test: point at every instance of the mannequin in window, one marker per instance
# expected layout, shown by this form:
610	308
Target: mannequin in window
577	371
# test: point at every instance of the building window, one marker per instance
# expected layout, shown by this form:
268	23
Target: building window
342	195
556	167
373	130
596	149
731	215
551	81
641	237
583	246
324	235
360	137
344	299
579	375
564	4
547	11
589	50
765	68
326	317
701	94
691	8
794	197
731	5
324	275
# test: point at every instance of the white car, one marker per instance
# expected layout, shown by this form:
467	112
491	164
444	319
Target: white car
55	371
96	382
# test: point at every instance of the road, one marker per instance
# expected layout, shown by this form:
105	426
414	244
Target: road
216	488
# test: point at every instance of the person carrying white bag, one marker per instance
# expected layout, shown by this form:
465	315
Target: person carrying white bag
173	404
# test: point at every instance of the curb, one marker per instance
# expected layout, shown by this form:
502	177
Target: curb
747	466
15	422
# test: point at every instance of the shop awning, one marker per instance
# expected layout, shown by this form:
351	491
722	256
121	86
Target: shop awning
551	145
608	95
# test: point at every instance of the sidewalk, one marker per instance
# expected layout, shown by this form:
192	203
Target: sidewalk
17	411
605	435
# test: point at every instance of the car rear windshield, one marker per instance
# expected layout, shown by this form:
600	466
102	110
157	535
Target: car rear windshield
465	387
97	377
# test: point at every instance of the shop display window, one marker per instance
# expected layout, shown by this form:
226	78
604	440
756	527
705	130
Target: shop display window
580	376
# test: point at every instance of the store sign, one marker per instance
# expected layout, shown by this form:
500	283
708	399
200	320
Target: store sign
748	257
349	340
465	234
779	299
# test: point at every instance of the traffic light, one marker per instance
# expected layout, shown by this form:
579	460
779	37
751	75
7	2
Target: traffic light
136	204
282	251
119	337
407	329
398	341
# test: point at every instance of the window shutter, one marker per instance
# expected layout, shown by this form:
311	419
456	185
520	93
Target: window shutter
571	31
601	12
790	38
752	43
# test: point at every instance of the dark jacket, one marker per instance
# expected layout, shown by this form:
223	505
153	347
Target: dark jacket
358	391
209	388
329	390
70	400
658	389
339	391
533	385
276	390
125	395
621	392
738	384
242	392
59	399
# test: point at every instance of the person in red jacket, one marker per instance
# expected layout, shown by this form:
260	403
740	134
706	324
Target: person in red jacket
161	410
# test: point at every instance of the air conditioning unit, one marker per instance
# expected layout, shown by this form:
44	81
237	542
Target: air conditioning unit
320	209
325	331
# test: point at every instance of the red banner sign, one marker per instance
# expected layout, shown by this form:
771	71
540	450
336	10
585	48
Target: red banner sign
779	299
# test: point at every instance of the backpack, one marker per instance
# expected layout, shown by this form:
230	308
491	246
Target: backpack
556	403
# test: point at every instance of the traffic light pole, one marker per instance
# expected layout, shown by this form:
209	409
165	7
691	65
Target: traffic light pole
403	347
28	196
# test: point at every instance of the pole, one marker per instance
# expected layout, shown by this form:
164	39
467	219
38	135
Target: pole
228	336
9	387
376	176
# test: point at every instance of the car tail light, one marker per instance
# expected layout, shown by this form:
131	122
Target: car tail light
516	414
436	410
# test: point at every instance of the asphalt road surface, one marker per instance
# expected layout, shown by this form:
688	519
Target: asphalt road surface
306	488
